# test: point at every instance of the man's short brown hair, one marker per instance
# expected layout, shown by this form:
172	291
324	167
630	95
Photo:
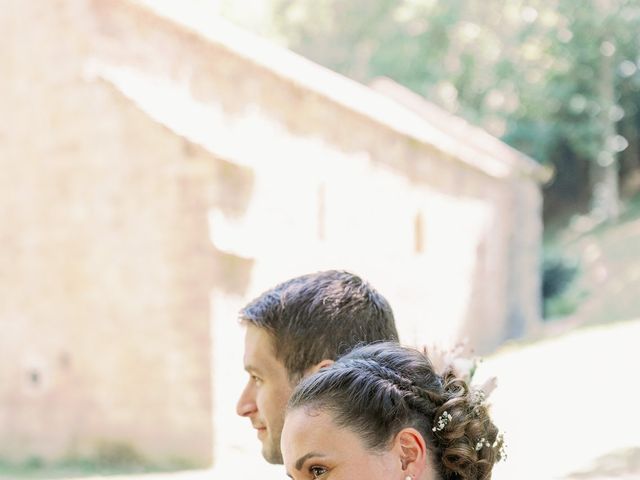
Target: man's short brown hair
320	316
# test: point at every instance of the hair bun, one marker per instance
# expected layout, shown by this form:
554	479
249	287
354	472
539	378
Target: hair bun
470	443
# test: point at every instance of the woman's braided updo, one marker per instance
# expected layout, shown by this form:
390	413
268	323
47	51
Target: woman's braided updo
377	390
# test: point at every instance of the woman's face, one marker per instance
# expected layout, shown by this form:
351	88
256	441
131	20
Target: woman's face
313	446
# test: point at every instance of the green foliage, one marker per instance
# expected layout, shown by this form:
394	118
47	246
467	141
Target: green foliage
539	74
109	458
559	295
118	455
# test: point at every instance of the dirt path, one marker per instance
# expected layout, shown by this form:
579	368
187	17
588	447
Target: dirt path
569	405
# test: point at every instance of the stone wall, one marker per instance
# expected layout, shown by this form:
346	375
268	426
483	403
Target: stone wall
154	179
105	259
298	132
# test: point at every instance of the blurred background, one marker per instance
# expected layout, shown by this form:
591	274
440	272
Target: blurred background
164	162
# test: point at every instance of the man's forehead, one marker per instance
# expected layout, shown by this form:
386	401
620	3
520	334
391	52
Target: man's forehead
259	348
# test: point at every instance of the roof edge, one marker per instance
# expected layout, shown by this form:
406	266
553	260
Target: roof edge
336	88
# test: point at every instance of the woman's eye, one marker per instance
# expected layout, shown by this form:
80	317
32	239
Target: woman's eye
317	472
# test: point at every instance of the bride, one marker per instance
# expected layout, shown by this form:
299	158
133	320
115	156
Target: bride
382	413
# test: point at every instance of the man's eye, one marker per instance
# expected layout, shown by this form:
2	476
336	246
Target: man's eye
317	472
255	379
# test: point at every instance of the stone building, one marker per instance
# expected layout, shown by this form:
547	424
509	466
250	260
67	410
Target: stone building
159	168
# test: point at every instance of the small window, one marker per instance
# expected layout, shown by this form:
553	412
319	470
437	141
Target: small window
418	233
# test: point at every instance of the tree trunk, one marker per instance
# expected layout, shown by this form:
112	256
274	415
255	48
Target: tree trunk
605	194
630	159
605	197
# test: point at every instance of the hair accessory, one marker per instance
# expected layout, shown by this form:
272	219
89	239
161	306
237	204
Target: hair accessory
498	443
476	399
502	446
443	420
482	443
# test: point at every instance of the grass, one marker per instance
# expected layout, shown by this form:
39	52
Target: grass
112	459
608	281
36	468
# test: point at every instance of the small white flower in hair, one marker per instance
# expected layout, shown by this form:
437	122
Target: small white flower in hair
443	420
477	396
502	451
476	399
482	443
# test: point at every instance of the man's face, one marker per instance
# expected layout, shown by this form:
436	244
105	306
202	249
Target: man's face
264	399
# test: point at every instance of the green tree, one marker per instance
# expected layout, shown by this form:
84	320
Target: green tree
557	79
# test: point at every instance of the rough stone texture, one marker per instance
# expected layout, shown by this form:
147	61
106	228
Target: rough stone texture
106	264
144	167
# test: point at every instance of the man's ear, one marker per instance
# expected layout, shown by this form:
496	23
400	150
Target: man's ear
318	366
410	446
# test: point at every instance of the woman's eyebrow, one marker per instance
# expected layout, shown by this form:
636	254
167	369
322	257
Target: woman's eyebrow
305	457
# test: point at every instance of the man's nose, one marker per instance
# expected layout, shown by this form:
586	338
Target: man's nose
246	403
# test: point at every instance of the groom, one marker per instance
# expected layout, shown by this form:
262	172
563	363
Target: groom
297	328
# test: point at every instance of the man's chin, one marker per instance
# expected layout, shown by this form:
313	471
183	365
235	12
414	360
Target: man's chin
272	455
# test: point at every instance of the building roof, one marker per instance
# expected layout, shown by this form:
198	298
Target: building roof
470	145
460	129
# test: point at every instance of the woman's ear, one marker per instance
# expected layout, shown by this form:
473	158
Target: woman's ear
412	451
318	366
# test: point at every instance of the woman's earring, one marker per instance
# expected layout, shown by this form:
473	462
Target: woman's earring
408	477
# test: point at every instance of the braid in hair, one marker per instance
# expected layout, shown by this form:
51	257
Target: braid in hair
378	390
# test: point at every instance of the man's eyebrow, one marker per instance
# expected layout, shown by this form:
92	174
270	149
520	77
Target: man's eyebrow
252	369
305	457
